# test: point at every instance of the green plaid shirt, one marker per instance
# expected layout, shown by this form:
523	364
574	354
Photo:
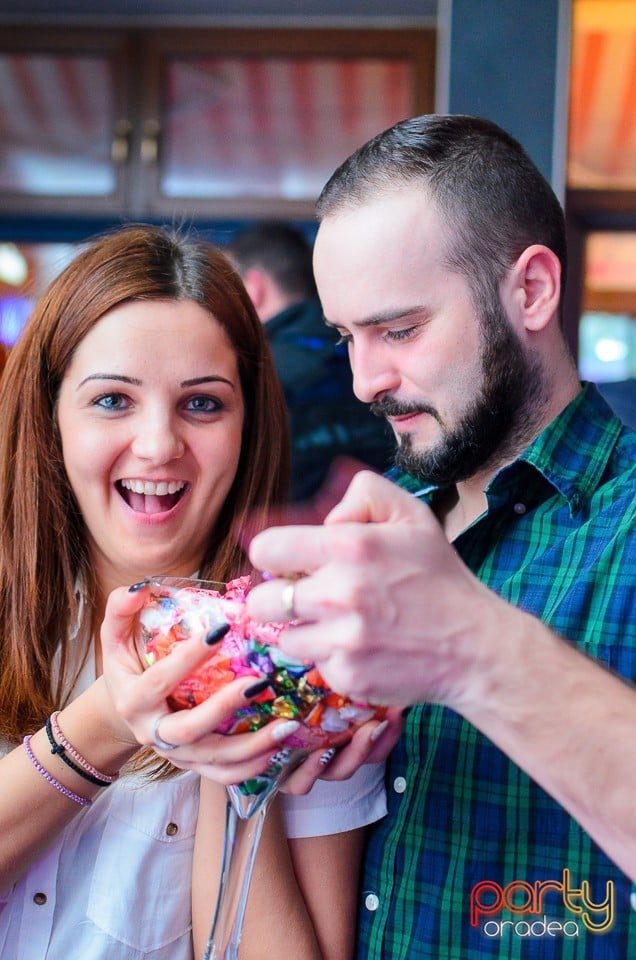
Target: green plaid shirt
558	539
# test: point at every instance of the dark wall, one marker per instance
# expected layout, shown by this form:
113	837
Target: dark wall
504	67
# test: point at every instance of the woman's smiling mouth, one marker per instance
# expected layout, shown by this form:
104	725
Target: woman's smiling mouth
146	496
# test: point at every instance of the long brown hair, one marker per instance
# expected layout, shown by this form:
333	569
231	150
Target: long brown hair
43	543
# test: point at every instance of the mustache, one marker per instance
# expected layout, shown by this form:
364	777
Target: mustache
390	407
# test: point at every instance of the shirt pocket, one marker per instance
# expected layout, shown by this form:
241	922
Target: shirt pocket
140	892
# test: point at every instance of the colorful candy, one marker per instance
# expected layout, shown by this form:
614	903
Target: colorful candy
178	610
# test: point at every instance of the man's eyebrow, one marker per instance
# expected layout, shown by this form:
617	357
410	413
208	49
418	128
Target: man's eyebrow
386	316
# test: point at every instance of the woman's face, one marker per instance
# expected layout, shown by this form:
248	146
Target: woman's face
150	413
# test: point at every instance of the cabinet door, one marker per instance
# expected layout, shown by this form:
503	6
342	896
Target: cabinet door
246	123
65	125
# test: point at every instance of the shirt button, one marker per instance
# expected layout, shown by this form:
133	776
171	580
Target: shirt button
371	902
172	829
519	508
39	898
399	784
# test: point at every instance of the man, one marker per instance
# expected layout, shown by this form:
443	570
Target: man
440	259
326	420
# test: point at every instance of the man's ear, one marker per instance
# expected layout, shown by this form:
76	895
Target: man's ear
254	283
533	287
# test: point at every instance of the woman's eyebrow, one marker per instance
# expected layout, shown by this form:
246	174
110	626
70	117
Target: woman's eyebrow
134	381
213	378
111	376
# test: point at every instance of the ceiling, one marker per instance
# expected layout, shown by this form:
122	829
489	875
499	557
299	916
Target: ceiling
127	10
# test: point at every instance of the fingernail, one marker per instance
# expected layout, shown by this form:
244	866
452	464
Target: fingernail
281	757
379	730
216	634
255	688
285	730
406	711
138	586
327	756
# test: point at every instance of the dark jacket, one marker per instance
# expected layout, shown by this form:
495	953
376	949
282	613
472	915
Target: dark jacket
326	420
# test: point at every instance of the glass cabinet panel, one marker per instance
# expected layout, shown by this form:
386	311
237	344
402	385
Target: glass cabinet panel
205	123
273	127
56	125
252	122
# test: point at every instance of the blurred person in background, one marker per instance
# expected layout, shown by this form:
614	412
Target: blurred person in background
326	420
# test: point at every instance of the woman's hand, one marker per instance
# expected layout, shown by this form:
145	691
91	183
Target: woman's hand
371	743
140	698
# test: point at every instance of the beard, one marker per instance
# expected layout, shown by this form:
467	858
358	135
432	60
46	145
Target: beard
499	422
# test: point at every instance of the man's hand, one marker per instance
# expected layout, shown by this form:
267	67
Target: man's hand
388	611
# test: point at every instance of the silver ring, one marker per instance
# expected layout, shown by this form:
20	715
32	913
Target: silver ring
158	741
287	598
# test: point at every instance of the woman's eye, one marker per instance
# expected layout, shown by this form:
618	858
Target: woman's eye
344	339
111	401
202	404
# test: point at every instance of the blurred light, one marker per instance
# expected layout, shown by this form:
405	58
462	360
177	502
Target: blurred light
13	266
610	351
14	313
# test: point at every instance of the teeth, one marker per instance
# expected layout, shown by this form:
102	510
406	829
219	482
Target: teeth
151	489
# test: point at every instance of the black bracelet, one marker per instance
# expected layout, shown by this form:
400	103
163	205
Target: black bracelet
60	750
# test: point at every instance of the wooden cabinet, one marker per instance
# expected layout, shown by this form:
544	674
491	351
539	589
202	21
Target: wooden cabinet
196	123
63	97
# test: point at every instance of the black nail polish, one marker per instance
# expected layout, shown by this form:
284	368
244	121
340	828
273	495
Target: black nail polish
255	688
406	711
216	634
138	586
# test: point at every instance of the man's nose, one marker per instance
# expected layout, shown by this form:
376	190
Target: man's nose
374	373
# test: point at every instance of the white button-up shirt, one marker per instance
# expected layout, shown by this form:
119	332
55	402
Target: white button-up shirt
116	882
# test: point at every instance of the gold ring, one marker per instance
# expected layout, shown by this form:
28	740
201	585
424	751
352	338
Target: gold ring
287	598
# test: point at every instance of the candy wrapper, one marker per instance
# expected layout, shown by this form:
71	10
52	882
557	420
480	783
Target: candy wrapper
179	609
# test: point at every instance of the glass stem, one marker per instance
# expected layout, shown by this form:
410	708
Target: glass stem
242	836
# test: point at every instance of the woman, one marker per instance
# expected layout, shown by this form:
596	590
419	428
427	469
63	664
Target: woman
141	424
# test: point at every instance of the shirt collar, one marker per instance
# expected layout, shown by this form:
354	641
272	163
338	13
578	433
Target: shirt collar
571	453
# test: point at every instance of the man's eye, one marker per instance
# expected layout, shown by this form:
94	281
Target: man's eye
399	334
344	339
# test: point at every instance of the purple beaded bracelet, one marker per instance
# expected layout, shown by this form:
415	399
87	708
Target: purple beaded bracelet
83	802
94	775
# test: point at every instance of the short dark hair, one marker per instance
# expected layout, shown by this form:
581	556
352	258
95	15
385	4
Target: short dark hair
485	186
281	250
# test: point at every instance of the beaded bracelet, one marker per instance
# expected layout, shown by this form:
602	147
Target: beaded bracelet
84	770
57	730
83	802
